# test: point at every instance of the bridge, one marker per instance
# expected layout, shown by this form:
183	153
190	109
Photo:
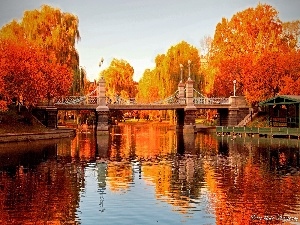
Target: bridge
89	102
185	101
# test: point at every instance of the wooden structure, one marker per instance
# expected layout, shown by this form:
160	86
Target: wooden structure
283	110
268	132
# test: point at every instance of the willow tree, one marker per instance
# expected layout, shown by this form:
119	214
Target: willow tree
207	70
119	79
56	32
182	53
148	90
166	75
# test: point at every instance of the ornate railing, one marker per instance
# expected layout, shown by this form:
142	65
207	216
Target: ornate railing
90	99
118	100
171	100
208	101
202	99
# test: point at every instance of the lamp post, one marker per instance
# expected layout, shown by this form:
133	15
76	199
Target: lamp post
189	62
100	64
234	83
181	70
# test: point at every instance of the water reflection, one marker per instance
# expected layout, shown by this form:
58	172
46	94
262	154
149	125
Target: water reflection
251	181
137	171
37	186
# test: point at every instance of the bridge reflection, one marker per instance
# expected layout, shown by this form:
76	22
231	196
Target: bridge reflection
242	180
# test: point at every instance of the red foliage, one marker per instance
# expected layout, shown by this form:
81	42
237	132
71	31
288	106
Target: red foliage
29	74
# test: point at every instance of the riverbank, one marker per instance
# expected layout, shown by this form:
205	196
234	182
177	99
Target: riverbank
34	136
22	126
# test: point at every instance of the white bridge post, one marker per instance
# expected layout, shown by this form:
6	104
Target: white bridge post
190	109
181	94
102	110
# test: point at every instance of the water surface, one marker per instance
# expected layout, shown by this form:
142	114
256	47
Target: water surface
149	174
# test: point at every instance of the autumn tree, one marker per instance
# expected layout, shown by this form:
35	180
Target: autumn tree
3	96
119	79
249	48
176	55
29	75
207	70
148	90
80	84
163	80
291	33
53	31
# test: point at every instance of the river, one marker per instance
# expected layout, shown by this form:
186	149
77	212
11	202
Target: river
147	173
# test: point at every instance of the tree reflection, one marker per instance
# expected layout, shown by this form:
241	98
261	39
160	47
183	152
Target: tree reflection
177	178
47	192
249	185
244	179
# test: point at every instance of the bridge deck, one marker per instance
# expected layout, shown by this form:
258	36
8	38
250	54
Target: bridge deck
141	106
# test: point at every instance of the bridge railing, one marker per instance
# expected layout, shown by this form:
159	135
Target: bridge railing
171	100
207	101
202	99
118	100
77	100
89	99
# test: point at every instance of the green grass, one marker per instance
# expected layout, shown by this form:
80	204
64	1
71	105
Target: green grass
259	121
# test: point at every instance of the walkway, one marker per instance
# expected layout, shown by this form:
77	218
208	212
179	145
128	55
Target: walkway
271	132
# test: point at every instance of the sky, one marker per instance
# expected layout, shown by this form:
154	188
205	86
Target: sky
138	30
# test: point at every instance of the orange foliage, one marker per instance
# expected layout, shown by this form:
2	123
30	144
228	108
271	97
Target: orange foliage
163	80
258	51
29	74
38	56
119	79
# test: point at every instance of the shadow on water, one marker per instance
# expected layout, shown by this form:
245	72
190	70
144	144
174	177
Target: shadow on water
26	154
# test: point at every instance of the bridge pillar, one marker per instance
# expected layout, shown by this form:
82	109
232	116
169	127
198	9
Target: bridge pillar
180	118
190	109
181	90
51	117
101	99
189	84
102	111
237	111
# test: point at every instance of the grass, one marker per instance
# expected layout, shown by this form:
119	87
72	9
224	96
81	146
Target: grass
13	122
259	121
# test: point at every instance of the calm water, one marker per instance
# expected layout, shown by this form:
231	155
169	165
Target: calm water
148	174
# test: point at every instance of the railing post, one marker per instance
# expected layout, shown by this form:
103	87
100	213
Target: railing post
181	90
190	109
190	93
102	110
